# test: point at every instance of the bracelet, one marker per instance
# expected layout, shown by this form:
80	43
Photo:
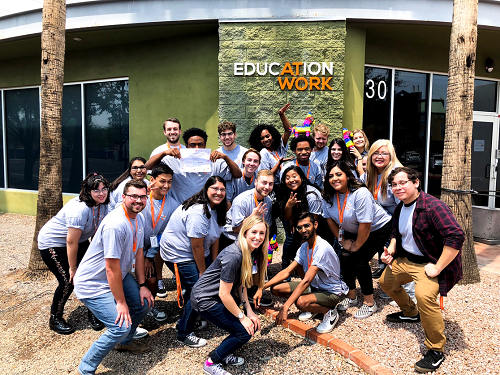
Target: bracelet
143	284
73	268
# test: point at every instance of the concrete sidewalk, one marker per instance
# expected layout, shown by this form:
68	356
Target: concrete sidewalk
488	257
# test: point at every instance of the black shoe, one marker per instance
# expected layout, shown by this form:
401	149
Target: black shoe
266	302
59	325
431	362
95	323
399	317
378	273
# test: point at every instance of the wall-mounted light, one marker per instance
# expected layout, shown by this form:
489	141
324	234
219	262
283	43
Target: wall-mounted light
77	39
490	64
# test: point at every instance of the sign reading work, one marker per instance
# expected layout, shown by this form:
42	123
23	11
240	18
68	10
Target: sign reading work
301	75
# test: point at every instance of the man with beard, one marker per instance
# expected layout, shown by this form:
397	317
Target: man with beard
104	284
172	130
227	135
321	289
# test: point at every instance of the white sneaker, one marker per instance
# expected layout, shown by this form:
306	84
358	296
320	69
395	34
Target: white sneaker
329	321
156	313
306	316
346	303
140	333
365	311
233	360
394	304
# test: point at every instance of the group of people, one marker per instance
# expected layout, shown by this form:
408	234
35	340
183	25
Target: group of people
338	207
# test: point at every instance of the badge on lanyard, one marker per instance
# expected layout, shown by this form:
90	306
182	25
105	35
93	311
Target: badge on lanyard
154	241
341	234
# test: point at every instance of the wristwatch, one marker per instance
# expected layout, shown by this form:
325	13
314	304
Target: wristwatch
143	284
241	315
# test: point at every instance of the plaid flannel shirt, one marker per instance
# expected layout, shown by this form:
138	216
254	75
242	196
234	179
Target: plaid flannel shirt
434	227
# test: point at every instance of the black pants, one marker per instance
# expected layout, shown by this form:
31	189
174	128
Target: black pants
57	260
357	264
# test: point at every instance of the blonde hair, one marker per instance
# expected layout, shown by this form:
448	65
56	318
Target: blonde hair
371	170
367	142
260	255
321	128
264	172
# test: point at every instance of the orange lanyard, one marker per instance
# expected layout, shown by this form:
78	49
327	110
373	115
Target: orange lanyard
93	217
308	167
377	188
255	198
134	246
180	146
341	212
153	210
310	259
251	180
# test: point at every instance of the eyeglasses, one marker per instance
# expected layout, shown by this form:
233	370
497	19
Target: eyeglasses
134	197
216	189
305	226
384	154
400	184
97	192
229	134
142	167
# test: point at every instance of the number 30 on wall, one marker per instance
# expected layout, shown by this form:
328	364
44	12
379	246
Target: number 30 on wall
381	89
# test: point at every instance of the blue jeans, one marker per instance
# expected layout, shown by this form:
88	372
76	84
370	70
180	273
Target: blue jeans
238	335
104	308
189	275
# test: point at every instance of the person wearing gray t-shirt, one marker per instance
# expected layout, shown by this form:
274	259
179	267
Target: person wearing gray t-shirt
190	241
361	226
136	171
63	241
104	283
251	162
227	136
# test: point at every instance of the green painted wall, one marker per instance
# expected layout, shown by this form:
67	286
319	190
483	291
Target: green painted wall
168	77
251	100
354	77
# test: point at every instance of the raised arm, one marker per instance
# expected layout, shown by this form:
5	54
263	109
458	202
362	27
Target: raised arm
286	123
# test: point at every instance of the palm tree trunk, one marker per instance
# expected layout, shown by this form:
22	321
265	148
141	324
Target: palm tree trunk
456	182
52	78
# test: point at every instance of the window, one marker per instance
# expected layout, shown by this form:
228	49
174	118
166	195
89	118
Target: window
485	95
22	119
106	124
105	107
377	103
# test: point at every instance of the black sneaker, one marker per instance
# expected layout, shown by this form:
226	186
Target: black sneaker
399	317
378	273
431	362
193	341
162	291
266	302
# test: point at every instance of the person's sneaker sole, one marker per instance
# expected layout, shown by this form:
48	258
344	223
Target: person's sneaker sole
161	294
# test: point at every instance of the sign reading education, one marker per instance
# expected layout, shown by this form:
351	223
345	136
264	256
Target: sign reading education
301	75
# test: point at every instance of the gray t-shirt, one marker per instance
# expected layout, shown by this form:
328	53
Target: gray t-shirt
321	158
236	155
187	184
406	229
269	159
390	203
227	267
74	214
175	244
315	174
242	208
238	186
164	147
115	199
314	200
325	258
114	240
360	208
161	220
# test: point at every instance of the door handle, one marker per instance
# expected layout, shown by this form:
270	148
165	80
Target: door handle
487	171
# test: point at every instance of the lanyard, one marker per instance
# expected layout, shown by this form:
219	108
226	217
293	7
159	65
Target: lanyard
310	259
168	145
308	167
377	188
98	216
134	248
341	212
255	198
153	210
251	180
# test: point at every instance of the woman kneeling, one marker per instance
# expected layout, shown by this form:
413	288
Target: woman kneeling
221	290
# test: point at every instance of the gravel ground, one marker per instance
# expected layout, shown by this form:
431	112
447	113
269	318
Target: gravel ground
27	346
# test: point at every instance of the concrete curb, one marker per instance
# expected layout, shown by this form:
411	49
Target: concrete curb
369	365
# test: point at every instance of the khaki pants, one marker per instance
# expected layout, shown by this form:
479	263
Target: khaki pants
426	291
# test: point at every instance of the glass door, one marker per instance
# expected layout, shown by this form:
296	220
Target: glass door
485	147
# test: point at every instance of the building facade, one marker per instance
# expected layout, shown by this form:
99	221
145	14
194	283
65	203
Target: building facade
380	66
